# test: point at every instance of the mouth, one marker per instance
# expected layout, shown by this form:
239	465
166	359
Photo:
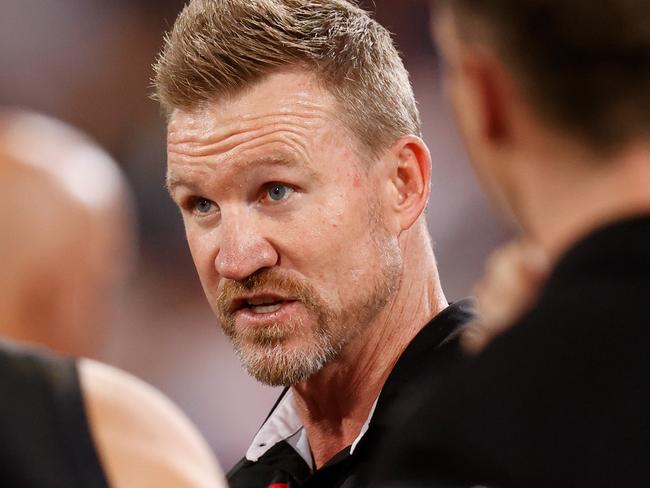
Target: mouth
260	303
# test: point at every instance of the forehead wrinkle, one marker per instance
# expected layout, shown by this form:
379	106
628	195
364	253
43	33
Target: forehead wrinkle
213	118
292	142
204	142
192	147
233	125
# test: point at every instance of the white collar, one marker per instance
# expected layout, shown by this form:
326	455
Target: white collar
284	424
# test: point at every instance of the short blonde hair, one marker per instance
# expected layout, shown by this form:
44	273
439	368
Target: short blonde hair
218	48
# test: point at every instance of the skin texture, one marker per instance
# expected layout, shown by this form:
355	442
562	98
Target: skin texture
340	250
68	240
557	186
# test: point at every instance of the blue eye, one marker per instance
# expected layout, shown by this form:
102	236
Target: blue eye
203	206
277	191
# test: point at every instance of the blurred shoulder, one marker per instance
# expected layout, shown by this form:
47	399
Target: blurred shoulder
142	438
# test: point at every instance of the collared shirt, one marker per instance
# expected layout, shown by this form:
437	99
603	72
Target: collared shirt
280	457
284	424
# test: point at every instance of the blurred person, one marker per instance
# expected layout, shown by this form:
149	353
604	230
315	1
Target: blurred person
295	157
68	235
512	278
66	422
553	102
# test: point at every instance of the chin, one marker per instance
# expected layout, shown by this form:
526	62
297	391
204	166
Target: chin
284	364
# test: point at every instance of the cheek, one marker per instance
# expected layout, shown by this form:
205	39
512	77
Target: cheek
333	240
202	255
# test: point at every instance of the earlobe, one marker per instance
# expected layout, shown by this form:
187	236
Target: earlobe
410	180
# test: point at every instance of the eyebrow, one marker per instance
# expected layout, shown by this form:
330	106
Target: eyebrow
174	181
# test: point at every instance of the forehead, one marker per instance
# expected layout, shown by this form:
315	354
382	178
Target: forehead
288	117
295	95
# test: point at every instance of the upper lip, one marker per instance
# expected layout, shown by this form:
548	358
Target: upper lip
241	300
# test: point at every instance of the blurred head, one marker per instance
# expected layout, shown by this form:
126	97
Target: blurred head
66	235
576	70
294	157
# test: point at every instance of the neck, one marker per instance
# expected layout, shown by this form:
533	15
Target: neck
335	403
571	193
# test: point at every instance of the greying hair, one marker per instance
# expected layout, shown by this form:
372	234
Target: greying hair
218	48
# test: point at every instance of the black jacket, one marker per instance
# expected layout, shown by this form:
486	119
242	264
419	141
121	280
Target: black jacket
428	357
560	400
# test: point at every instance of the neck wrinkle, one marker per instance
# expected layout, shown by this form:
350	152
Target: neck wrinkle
335	403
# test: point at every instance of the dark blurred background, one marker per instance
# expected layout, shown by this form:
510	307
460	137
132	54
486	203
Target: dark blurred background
88	62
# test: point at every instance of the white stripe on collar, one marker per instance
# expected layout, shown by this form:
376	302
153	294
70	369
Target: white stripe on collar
284	424
364	428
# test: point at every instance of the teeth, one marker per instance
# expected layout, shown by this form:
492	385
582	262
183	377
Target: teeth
265	308
261	301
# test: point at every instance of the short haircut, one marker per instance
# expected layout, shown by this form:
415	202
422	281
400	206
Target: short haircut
218	48
583	64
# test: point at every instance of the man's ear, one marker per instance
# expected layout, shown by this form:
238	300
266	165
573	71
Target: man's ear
488	93
409	180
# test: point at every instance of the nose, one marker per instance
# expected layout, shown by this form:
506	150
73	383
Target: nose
243	249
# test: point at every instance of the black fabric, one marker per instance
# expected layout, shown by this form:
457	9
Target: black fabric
428	356
561	400
45	440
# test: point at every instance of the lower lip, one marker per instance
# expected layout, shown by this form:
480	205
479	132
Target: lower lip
245	317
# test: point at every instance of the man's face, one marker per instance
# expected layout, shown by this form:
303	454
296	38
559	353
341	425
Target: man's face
284	224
